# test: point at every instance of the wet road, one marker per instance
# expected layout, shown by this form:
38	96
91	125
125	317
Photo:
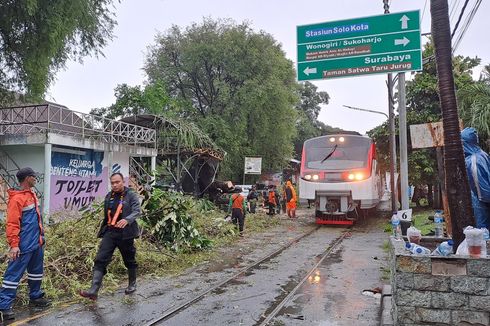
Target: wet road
333	294
244	301
331	297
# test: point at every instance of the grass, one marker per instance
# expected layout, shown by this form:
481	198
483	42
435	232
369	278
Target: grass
420	220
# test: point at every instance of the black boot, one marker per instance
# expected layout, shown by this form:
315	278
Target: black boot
94	289
131	281
6	314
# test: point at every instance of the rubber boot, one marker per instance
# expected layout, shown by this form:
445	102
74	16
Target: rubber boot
92	293
131	281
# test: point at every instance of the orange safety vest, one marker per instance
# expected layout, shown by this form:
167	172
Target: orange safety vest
272	197
111	220
237	201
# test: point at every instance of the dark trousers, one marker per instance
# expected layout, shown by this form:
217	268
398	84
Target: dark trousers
272	209
253	205
110	241
238	218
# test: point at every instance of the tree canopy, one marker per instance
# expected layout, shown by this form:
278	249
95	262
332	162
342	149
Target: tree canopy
234	83
37	37
474	106
423	106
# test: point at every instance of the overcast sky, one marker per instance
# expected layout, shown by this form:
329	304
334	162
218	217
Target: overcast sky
91	84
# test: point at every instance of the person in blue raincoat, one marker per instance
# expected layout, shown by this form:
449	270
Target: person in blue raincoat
478	170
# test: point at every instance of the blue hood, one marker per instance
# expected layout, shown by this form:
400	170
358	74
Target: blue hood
470	141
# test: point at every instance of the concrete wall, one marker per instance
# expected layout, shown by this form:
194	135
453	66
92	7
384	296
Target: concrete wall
25	155
28	155
429	290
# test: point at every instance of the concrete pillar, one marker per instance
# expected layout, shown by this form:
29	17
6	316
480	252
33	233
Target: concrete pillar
47	181
153	164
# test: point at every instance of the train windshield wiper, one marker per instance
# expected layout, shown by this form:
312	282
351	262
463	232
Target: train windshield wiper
329	154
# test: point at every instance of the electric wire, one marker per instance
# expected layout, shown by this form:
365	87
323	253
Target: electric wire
467	24
459	18
423	12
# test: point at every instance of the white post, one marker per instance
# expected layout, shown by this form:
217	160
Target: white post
402	109
47	181
153	164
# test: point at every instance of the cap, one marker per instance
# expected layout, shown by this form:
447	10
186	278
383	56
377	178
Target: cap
26	172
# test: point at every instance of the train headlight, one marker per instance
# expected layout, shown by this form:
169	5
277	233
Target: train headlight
341	139
359	176
307	177
315	177
351	176
332	139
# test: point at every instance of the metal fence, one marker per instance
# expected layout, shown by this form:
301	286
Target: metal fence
58	119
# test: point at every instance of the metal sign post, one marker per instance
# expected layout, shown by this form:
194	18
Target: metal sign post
253	165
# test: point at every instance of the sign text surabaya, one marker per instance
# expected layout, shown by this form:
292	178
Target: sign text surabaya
380	24
343	67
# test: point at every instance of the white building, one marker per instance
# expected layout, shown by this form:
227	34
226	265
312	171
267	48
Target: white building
74	152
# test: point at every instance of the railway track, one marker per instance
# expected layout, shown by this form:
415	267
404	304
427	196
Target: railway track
265	320
167	315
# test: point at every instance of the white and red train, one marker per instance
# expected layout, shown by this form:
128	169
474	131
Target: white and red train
341	175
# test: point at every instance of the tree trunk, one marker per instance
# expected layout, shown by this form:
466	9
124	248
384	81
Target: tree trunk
458	190
430	195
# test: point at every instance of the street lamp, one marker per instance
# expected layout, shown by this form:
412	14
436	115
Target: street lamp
392	154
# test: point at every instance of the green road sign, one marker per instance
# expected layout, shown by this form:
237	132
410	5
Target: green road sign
370	45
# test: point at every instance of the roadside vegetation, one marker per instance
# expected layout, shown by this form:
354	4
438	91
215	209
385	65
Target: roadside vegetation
178	232
420	219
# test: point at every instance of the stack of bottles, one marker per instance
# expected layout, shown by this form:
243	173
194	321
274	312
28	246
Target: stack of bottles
443	249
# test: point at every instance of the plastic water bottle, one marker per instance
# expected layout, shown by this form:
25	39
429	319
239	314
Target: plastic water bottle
395	225
438	224
409	246
486	234
444	248
419	250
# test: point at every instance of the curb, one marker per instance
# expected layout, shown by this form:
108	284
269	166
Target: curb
386	318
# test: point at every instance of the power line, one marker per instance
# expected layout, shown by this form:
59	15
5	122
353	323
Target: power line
459	18
453	9
467	24
423	12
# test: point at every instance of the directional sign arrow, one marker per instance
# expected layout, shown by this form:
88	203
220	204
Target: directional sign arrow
404	41
309	71
404	21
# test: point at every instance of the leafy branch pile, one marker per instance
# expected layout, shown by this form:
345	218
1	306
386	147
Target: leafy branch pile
169	218
72	244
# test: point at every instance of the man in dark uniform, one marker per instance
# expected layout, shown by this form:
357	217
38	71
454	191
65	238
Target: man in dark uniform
118	230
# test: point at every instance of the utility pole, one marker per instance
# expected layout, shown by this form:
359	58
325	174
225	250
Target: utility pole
402	111
391	121
457	186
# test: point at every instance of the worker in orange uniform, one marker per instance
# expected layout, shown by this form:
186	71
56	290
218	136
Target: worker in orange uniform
238	208
272	200
25	236
290	199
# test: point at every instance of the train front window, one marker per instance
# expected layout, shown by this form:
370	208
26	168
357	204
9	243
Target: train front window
352	154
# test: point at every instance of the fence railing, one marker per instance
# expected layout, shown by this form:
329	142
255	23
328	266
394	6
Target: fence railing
59	119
